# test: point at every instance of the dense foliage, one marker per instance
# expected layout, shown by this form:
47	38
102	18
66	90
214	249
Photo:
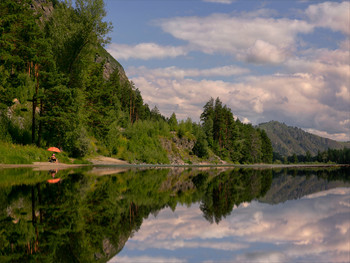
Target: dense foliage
231	139
52	88
57	89
341	156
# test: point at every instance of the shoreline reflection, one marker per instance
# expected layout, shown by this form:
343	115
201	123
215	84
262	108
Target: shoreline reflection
314	228
204	215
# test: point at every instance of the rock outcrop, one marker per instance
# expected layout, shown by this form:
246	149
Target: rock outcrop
180	151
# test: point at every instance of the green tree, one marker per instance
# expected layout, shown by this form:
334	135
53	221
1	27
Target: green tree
308	157
208	112
295	158
266	147
76	34
231	139
24	57
173	122
200	147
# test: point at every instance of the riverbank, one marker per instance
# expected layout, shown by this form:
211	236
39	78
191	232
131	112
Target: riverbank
46	166
108	161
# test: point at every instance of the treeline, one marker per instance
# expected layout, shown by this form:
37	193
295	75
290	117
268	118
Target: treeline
341	156
54	92
230	138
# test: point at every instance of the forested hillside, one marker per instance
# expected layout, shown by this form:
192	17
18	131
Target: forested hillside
59	87
287	140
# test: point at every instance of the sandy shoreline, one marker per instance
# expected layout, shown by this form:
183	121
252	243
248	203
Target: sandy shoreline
46	166
43	166
108	161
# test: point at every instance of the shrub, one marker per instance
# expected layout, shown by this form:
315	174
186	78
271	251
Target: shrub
200	148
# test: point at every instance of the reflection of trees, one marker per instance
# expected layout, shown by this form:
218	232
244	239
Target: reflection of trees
41	224
85	218
290	184
80	219
232	188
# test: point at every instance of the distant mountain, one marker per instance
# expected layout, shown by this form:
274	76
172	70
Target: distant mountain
291	187
287	140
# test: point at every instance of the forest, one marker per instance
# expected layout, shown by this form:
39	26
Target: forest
339	156
75	218
54	91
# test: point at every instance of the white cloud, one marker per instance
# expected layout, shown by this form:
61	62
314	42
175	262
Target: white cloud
241	36
312	228
331	15
179	73
316	99
310	88
144	51
262	52
334	136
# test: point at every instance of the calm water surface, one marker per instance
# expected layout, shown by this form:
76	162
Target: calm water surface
108	214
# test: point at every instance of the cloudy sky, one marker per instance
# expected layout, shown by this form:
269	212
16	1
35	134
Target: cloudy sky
266	60
314	228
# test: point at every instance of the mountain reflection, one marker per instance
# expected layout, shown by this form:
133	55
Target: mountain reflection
87	218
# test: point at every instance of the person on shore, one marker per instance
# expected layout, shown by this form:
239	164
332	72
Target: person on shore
53	158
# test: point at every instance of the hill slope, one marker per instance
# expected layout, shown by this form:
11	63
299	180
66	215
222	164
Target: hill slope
287	140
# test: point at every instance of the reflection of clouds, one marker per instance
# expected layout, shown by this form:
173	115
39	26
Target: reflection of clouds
177	244
262	256
146	259
314	228
184	223
335	191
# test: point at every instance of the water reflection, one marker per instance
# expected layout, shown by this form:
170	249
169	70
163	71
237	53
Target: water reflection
312	229
185	215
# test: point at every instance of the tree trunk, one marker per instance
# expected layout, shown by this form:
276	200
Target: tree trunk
40	124
33	118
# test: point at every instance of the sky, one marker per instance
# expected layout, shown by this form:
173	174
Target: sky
279	60
314	228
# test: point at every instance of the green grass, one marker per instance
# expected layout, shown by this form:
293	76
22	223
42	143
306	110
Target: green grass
81	161
26	154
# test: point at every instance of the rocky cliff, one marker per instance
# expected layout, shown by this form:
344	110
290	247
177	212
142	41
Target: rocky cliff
180	151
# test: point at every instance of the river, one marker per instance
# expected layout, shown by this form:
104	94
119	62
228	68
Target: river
114	214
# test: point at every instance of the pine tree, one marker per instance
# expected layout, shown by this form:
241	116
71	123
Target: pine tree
266	147
173	122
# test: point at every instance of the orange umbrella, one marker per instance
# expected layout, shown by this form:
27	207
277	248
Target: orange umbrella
53	181
54	149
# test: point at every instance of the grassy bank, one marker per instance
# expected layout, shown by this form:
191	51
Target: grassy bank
26	154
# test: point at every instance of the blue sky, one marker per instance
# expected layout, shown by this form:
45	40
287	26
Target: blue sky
266	60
